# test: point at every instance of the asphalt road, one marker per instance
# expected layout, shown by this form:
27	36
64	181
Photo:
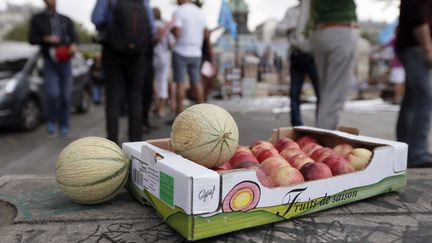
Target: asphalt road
35	153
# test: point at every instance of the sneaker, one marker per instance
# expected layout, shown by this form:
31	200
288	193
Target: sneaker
51	128
64	133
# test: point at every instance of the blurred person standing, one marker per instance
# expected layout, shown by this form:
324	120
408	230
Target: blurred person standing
334	44
96	75
56	35
161	64
207	68
267	61
189	31
301	60
414	48
126	28
397	73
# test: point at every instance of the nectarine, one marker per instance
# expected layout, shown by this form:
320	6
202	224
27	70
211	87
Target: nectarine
286	176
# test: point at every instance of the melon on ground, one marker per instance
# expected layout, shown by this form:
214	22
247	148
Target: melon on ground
205	134
91	170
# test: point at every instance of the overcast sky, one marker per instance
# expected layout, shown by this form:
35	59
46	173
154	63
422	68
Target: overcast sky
260	10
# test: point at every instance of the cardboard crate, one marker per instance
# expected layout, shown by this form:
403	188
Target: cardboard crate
198	202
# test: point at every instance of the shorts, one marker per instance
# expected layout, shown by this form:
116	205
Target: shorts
183	65
397	75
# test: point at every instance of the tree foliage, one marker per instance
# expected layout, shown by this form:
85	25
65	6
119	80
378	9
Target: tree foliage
20	32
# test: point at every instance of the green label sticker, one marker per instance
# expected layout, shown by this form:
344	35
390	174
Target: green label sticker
166	189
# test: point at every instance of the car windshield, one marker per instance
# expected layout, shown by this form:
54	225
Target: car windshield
12	65
13	57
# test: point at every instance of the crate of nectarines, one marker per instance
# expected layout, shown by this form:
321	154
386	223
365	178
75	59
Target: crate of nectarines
295	155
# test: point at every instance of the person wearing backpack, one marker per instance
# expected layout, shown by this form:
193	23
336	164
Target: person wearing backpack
127	28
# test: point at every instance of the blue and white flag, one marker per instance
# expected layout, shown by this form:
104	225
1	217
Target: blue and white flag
226	19
388	32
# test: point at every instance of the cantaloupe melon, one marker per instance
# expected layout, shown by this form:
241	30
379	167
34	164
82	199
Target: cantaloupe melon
91	170
205	134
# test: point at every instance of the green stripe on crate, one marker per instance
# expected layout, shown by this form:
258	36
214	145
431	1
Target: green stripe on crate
175	217
221	223
388	184
227	222
182	223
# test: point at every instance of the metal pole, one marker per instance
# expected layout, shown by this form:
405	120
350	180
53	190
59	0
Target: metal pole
236	43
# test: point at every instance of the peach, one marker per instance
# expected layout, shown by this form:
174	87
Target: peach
343	149
306	139
300	160
261	142
309	148
359	158
289	153
284	143
245	164
224	167
240	157
258	149
286	176
267	154
242	148
315	171
262	176
272	164
321	154
338	165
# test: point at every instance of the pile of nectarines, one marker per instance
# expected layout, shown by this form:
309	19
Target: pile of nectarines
289	162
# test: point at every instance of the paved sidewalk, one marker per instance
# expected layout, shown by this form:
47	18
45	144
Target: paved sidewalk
33	209
34	153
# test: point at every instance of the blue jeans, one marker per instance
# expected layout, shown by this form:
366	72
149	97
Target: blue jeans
58	82
413	125
298	75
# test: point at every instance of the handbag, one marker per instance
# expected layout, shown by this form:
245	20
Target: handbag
60	54
207	69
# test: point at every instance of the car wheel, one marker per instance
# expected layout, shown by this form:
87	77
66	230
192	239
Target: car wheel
85	102
30	114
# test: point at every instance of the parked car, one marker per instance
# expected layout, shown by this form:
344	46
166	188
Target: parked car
22	102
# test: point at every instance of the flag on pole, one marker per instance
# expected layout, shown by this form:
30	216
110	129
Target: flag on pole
226	19
388	32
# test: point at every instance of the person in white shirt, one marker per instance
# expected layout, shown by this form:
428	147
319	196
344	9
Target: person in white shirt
302	63
161	63
189	30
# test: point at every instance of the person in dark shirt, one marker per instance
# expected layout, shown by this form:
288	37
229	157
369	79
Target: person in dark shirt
132	70
56	35
414	48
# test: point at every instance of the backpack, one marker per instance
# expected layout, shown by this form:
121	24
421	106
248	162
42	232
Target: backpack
130	30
